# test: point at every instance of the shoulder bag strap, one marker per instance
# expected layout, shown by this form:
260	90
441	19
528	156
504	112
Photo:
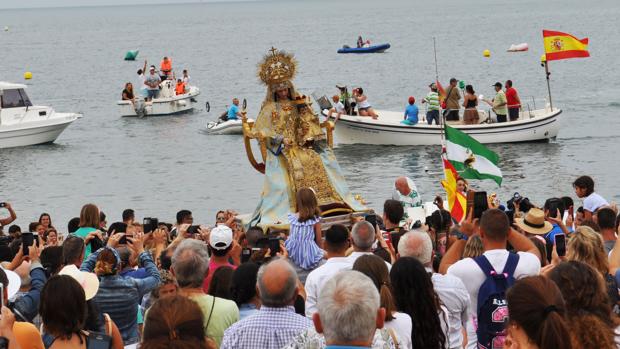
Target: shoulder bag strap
484	264
394	339
210	313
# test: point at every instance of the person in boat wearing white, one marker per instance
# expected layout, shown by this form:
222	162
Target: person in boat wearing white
152	81
338	108
186	78
363	106
406	192
142	81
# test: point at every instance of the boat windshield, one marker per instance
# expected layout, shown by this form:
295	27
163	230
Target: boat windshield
15	98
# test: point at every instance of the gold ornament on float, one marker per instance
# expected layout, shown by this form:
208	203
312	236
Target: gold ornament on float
277	68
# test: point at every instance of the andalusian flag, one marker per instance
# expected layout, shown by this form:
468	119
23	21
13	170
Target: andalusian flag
560	45
457	201
471	159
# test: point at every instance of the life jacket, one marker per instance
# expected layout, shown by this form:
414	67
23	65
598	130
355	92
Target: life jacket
166	67
180	89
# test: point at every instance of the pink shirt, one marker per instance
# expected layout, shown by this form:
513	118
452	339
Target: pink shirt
212	268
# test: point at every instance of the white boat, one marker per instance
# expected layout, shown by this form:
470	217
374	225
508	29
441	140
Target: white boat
22	123
531	126
167	103
229	127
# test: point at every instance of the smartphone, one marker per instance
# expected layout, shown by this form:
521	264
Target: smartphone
99	341
481	203
372	219
193	229
274	246
123	240
150	224
560	244
246	253
387	237
1	295
27	241
36	238
553	206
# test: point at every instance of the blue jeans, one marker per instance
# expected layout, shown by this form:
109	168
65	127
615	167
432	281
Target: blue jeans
432	115
152	93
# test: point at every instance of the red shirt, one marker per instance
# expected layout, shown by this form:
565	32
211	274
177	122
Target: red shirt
212	268
511	98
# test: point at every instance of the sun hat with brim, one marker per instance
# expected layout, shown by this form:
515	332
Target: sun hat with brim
88	281
534	222
15	282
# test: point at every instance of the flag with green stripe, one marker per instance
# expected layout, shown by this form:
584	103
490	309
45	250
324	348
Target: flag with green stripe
471	159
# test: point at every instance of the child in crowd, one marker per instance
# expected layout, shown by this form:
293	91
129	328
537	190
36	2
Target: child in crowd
584	188
304	240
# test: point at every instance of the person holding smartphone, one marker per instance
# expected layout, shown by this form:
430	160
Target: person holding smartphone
12	216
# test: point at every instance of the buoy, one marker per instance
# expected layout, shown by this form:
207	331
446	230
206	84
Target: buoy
461	84
543	58
131	55
486	53
27	75
6	29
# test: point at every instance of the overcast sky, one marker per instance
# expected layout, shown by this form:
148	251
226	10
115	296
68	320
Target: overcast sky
4	4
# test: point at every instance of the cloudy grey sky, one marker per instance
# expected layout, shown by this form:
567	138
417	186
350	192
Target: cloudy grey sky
6	4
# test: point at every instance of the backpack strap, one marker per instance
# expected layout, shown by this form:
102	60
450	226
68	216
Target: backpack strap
511	264
485	265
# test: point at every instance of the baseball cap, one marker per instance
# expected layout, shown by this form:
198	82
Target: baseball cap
411	100
221	237
498	84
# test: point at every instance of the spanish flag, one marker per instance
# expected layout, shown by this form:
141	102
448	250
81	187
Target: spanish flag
560	45
456	200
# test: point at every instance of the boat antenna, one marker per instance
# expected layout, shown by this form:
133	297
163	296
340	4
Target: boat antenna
437	82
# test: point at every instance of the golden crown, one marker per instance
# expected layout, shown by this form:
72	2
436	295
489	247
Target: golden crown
277	67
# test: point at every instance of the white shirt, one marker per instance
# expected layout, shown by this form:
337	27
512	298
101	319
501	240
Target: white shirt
401	325
339	107
472	276
142	81
593	202
186	80
318	277
455	298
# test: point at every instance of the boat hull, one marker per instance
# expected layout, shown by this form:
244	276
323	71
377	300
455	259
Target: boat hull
372	49
33	134
231	127
360	130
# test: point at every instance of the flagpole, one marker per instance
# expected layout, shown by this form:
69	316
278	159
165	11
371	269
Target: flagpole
547	74
437	81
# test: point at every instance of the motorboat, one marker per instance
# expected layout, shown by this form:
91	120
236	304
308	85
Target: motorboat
531	126
228	127
167	103
22	123
367	49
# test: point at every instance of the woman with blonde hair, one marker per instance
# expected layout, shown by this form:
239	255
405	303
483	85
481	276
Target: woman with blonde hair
473	247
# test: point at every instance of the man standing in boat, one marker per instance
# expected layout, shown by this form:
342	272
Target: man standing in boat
452	101
152	81
499	103
432	110
513	100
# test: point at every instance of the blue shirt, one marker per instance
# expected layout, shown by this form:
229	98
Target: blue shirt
232	112
411	113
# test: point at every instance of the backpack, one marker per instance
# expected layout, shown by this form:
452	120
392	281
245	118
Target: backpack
492	310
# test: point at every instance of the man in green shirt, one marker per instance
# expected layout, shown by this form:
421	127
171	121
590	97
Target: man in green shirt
500	105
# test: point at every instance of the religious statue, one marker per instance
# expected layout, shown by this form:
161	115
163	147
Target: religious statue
295	149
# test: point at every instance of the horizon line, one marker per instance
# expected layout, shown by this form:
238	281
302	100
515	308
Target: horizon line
152	3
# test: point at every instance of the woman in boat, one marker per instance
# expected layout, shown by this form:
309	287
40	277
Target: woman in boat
127	94
363	106
297	153
360	42
470	102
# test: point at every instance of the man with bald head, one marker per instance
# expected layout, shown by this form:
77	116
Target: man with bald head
406	192
363	237
276	323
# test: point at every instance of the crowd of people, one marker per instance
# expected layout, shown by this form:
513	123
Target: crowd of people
149	82
516	276
506	104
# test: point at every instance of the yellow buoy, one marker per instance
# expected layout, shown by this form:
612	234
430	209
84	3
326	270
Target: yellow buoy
543	58
486	53
27	75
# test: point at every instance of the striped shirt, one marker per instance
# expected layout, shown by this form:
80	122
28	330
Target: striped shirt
301	243
269	328
433	100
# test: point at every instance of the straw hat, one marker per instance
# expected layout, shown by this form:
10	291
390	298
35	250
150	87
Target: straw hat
88	281
534	222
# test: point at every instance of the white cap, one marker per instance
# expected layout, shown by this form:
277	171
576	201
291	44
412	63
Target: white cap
221	237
